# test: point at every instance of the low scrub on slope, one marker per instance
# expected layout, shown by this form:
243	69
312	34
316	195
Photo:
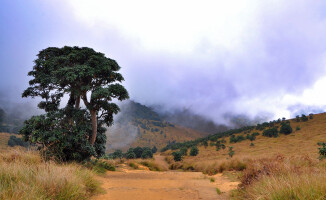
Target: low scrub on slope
23	175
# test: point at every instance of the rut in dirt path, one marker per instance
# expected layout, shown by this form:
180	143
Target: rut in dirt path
171	185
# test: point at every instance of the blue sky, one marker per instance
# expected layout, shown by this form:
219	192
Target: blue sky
212	57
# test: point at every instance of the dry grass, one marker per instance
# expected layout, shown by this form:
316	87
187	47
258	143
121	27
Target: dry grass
301	142
295	177
23	175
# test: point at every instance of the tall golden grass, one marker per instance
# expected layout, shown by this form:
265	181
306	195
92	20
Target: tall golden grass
279	177
23	175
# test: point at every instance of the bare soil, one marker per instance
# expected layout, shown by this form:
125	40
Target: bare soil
143	184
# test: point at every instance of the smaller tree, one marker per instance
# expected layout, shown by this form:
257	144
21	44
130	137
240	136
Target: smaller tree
177	156
194	151
154	149
184	151
322	150
147	153
231	152
304	118
138	151
117	154
286	129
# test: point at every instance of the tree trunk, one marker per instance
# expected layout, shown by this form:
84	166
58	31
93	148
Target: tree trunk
94	126
77	102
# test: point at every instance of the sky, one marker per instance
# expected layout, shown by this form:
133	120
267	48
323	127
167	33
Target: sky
215	58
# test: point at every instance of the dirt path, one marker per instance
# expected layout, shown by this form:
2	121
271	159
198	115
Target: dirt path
143	185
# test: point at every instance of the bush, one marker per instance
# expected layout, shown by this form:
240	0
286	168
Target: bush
304	118
272	132
130	155
138	151
298	128
99	166
286	129
14	141
117	154
252	144
322	151
147	153
231	152
184	151
177	156
154	149
311	116
194	151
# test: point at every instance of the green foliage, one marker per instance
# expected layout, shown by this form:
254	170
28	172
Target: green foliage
147	153
14	141
117	154
252	144
154	149
231	152
235	139
57	138
218	191
177	156
286	128
138	151
99	166
194	151
205	143
272	132
72	133
130	154
304	118
184	151
311	116
298	128
322	150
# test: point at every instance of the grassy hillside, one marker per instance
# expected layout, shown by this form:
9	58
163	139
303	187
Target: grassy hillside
139	125
283	167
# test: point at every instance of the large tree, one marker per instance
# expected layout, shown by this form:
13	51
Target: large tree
81	74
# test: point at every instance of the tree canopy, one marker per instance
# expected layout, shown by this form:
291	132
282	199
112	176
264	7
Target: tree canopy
81	74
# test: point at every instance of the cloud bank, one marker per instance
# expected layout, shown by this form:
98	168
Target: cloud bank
211	57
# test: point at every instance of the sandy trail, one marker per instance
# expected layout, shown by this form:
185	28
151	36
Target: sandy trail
143	185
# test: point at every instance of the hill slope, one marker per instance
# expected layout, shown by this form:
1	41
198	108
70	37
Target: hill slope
299	142
139	125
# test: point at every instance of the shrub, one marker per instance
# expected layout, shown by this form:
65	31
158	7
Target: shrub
184	151
99	166
117	154
322	151
231	152
15	141
177	156
154	149
194	151
286	129
298	128
252	144
138	151
311	116
304	118
147	153
272	132
130	155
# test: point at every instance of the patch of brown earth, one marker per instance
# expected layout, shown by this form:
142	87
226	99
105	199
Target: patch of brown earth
171	185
